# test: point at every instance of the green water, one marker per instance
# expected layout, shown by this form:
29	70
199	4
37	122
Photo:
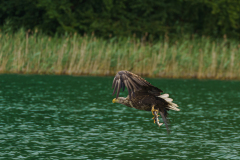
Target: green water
66	117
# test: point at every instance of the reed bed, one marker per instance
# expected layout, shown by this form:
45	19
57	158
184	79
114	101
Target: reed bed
34	53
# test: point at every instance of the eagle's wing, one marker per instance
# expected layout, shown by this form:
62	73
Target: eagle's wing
133	83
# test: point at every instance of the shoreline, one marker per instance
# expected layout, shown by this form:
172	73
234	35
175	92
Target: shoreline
113	74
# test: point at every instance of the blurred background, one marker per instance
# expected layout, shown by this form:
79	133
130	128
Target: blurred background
164	38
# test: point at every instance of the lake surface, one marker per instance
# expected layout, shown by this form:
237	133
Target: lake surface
67	117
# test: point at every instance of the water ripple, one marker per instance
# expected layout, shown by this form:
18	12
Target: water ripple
65	117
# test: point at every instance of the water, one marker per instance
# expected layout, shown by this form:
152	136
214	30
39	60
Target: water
66	117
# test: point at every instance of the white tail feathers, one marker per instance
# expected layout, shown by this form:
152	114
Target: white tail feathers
171	105
168	99
164	96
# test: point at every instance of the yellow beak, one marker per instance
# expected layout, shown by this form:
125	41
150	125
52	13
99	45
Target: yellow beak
114	100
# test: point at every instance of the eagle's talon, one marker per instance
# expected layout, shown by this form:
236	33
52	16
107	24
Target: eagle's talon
154	118
154	110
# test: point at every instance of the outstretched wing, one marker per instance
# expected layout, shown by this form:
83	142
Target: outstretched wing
133	83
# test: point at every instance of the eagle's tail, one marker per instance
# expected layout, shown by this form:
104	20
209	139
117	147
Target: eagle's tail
171	105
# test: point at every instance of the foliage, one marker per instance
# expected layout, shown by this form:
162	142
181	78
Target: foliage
124	18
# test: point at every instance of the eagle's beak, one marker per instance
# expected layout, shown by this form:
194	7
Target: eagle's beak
114	100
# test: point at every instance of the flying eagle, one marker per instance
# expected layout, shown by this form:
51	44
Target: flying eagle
143	96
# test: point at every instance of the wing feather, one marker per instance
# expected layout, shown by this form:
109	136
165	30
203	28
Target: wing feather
129	87
134	83
115	88
119	87
138	81
132	90
123	86
164	117
128	84
114	82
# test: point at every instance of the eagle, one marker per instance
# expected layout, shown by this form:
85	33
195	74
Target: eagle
143	95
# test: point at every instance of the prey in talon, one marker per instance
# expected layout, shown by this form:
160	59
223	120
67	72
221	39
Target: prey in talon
143	95
156	118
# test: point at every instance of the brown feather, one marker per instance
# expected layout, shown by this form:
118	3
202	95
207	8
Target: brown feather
114	82
165	121
115	88
119	87
123	86
133	83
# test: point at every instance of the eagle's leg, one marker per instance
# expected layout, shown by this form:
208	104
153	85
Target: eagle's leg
155	113
153	110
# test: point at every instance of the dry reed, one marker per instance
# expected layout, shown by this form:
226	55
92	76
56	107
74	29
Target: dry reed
87	55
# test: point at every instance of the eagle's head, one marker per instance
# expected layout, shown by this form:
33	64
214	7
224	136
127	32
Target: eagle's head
121	100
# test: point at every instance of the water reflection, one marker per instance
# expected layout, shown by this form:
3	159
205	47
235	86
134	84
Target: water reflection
52	117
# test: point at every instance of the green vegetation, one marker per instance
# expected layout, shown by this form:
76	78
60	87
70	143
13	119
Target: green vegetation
33	52
122	18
